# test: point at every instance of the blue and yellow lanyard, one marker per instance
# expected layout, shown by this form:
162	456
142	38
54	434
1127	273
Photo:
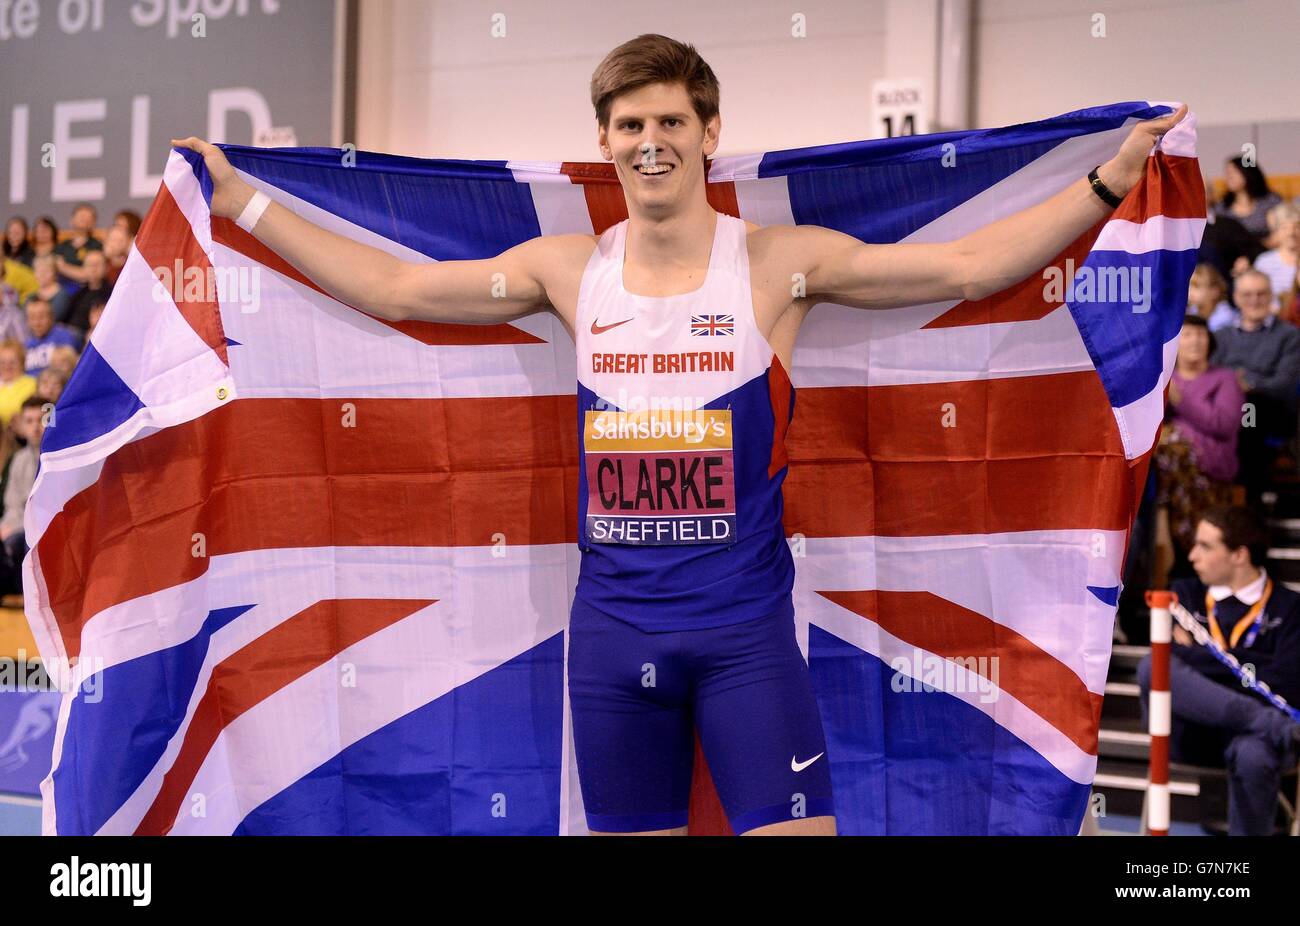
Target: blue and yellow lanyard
1253	619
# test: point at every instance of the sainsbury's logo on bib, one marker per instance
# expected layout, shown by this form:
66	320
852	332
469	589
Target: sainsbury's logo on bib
659	476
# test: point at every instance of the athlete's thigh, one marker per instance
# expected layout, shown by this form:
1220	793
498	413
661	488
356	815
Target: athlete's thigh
633	731
675	831
760	728
807	826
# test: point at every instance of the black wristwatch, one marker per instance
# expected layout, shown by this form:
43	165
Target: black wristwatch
1107	195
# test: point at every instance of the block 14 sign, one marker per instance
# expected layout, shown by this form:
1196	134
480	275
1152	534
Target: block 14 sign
898	108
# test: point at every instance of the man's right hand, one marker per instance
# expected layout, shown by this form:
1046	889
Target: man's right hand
1182	637
229	194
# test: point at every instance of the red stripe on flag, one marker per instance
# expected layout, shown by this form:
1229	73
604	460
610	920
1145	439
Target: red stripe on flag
1027	673
280	656
227	233
607	204
983	456
165	241
601	189
781	395
284	473
1173	188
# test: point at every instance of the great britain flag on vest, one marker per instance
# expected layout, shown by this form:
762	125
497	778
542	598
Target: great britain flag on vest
711	325
309	571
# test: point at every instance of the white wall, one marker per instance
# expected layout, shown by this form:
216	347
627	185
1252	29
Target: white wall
433	82
1235	62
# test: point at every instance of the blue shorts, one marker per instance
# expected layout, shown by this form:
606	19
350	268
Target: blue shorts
637	699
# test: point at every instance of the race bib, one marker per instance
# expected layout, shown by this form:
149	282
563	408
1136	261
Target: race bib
660	476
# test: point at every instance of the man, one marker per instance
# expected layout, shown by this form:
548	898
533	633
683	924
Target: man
1218	720
1265	352
97	289
71	254
683	618
46	336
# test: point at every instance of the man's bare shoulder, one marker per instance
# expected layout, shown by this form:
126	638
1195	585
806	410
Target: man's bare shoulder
779	250
785	235
557	263
561	252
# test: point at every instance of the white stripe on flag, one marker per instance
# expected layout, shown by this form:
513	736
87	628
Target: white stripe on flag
179	179
1005	710
366	358
1157	233
856	347
999	576
1139	421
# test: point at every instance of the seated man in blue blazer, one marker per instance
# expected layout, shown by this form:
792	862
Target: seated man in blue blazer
1217	719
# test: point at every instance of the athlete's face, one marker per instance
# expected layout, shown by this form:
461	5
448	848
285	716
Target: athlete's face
658	145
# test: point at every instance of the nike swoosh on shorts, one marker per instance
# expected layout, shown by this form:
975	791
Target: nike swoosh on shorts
797	766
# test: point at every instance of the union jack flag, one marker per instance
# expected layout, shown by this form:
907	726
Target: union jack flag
322	563
706	325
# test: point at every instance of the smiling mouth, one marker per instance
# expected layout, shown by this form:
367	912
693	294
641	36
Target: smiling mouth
659	170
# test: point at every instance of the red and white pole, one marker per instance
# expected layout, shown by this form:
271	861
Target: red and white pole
1159	713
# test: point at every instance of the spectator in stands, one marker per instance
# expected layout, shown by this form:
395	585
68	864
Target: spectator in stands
1248	198
1217	719
49	385
48	287
29	424
16	245
117	243
1225	243
63	360
46	336
1196	456
1265	353
72	253
15	385
45	237
1279	264
129	221
97	289
1207	297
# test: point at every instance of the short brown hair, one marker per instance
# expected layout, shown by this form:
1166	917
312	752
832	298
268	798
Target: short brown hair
652	59
1241	527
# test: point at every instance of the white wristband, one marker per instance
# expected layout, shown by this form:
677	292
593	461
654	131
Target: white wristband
253	211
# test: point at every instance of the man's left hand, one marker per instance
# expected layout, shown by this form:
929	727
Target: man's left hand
1122	172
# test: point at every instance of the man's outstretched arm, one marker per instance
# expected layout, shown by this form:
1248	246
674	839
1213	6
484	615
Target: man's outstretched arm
841	269
453	291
